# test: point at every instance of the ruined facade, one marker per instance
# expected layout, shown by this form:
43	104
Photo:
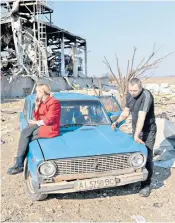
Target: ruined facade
32	46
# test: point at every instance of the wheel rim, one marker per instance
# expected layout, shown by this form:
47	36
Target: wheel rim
29	184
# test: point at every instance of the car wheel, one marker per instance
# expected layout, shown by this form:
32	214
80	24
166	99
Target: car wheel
31	192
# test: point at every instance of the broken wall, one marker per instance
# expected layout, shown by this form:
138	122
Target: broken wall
19	87
22	86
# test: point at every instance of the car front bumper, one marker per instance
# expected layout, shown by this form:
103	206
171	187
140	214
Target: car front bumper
69	187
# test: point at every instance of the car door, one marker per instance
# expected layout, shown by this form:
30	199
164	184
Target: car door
24	116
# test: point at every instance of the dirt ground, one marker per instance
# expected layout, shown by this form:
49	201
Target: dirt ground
118	204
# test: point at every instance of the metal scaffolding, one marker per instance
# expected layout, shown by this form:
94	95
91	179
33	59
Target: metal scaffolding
40	48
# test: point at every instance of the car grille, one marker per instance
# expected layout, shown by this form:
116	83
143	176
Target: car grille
92	164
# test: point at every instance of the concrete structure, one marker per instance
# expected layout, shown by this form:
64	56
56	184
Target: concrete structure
17	88
22	86
33	49
33	46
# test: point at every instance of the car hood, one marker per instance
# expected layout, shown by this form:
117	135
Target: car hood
89	141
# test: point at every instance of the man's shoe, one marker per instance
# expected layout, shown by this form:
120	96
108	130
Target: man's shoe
145	191
18	166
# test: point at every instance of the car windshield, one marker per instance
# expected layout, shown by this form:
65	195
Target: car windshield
83	113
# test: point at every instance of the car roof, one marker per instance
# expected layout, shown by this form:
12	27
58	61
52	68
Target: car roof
66	96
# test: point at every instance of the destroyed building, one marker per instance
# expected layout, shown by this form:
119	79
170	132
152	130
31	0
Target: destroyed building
32	46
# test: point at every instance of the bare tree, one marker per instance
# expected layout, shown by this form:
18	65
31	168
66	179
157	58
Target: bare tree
141	69
99	83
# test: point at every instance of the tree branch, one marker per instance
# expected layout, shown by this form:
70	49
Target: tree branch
109	66
119	75
132	63
144	66
127	70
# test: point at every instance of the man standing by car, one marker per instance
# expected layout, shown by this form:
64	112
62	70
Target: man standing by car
46	124
140	103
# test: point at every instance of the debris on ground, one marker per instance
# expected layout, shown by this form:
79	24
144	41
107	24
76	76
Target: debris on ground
164	149
138	219
1	142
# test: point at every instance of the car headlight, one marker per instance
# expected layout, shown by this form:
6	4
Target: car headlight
47	169
137	160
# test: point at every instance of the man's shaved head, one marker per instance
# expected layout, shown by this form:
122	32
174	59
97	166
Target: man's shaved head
135	87
137	81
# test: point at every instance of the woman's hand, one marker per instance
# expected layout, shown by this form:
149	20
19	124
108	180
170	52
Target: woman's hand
37	102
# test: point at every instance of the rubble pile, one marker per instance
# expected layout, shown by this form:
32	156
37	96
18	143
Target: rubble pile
32	47
163	89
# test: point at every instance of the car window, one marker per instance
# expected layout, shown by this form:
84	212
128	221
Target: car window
83	112
110	103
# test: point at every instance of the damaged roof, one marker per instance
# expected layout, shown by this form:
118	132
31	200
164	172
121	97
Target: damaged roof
51	30
29	4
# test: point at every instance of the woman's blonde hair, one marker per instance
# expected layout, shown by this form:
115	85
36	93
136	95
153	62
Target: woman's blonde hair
45	87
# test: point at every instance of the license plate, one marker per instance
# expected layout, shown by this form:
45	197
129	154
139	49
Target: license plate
96	183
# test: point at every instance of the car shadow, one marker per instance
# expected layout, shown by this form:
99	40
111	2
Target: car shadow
99	193
159	176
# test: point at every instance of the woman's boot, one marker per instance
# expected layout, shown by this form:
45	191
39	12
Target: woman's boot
18	166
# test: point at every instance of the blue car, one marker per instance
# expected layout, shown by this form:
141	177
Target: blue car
88	154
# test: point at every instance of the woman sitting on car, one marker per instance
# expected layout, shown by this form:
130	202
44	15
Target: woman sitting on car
47	114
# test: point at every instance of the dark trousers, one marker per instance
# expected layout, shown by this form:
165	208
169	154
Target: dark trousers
28	134
149	140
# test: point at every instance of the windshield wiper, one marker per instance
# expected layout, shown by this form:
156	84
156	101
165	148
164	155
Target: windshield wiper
76	124
69	125
90	124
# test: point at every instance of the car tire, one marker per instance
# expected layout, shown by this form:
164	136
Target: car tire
30	190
